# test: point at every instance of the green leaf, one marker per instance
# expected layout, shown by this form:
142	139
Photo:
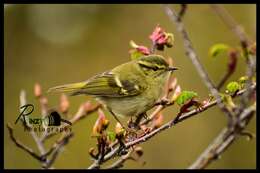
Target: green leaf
232	87
243	79
228	101
217	49
111	136
136	54
185	96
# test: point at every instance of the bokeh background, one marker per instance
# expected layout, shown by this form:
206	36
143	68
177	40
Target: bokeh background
58	44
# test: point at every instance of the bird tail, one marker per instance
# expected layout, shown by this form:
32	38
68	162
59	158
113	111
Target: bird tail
74	87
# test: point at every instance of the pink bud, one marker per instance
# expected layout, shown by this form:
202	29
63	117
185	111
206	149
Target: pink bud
44	101
160	38
37	90
172	83
144	50
64	103
158	120
157	34
100	123
87	106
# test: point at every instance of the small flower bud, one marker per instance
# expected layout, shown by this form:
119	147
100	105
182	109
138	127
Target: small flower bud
119	130
64	103
44	101
232	60
252	48
87	105
92	153
160	38
37	90
172	83
141	49
176	93
105	124
158	120
101	123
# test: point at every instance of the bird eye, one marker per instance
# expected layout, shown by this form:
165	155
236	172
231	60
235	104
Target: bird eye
155	68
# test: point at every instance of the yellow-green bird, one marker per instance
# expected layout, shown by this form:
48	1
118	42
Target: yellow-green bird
129	89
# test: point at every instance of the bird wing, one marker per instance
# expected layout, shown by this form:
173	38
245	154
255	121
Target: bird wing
110	85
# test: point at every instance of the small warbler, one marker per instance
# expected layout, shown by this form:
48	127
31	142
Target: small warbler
129	89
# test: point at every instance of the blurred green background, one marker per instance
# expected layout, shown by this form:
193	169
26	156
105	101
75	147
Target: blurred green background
59	44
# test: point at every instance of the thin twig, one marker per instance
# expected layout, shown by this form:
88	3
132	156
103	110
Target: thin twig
119	163
35	137
224	79
182	11
57	147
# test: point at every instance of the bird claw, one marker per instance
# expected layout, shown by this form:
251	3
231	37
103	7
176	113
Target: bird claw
163	102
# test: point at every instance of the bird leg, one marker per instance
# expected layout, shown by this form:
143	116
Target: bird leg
135	124
114	115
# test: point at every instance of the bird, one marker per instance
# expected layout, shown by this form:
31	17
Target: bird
129	89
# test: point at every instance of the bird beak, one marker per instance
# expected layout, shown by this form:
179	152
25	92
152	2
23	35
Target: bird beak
172	68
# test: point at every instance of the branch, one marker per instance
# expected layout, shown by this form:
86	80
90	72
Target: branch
231	23
168	125
190	52
182	11
119	163
228	135
244	40
22	146
223	141
33	134
56	149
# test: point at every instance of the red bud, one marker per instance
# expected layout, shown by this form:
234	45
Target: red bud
232	60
